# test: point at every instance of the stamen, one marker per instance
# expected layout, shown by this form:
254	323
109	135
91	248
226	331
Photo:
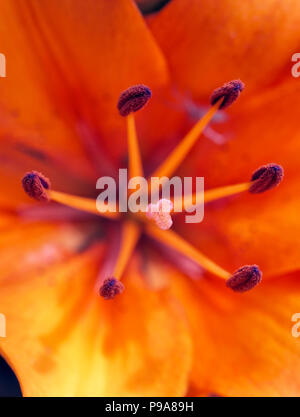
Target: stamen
265	178
130	235
173	240
180	152
110	288
229	92
160	213
245	278
36	185
133	99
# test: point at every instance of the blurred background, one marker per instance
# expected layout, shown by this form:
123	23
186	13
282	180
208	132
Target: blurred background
9	386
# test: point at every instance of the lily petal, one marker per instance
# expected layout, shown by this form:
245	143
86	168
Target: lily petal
71	60
207	43
64	340
244	344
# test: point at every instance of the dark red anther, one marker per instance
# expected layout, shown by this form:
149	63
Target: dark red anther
110	288
245	278
36	185
229	92
265	178
133	99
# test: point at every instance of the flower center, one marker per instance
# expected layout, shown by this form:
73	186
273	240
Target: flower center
157	220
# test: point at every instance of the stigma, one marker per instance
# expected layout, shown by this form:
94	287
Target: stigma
160	213
110	288
245	278
36	185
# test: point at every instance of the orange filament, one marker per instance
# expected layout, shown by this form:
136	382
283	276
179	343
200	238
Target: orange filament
130	234
135	161
81	203
176	242
213	194
180	152
226	191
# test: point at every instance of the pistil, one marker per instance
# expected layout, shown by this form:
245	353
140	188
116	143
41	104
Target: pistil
160	213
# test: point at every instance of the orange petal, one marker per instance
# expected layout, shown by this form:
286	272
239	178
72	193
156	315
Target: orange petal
210	43
73	61
28	247
64	340
243	343
31	120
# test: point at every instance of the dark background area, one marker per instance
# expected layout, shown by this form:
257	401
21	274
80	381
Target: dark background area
9	385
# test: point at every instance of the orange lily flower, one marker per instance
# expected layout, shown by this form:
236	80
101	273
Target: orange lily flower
173	328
